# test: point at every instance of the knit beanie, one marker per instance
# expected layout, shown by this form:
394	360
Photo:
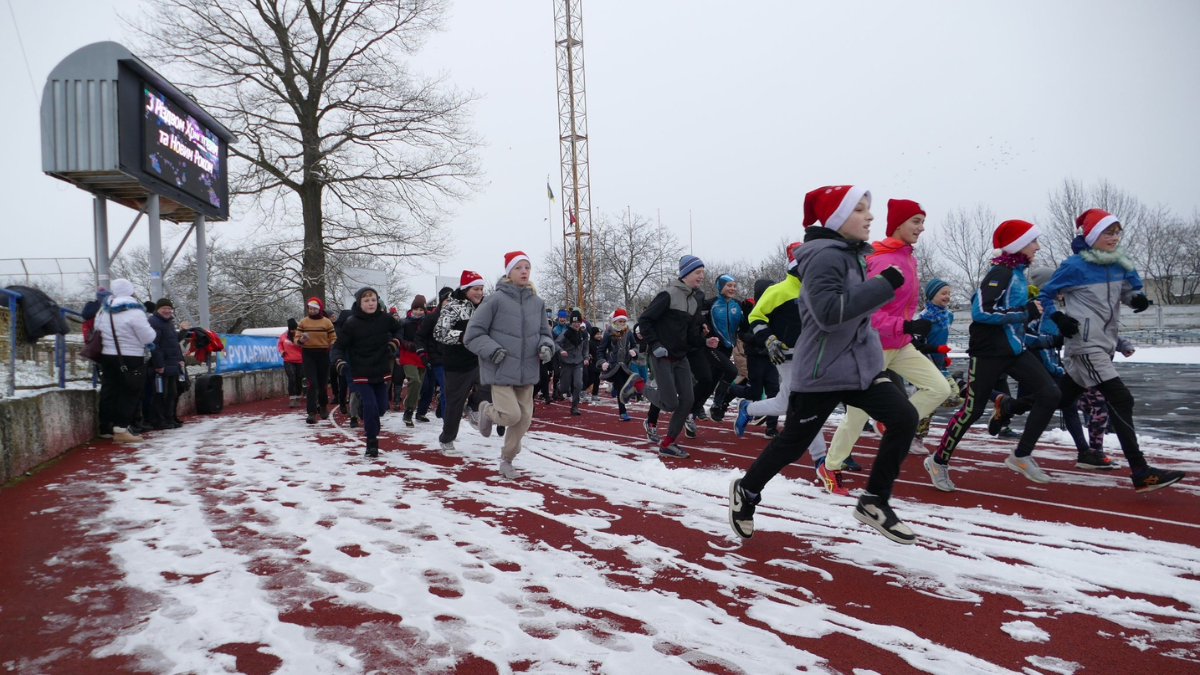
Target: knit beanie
576	315
562	314
1013	235
899	211
832	205
1038	276
122	288
1093	222
164	302
933	286
689	264
418	302
722	280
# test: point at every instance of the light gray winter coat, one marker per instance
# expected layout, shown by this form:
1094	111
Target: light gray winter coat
838	349
512	317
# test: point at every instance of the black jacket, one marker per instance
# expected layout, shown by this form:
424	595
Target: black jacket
366	343
751	346
673	320
166	353
42	316
424	339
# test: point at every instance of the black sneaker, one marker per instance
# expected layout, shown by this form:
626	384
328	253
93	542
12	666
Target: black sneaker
421	418
500	430
1151	479
717	414
1095	461
741	510
353	422
408	419
1007	432
342	409
311	419
772	432
850	465
1000	418
689	427
372	447
575	411
673	450
700	415
874	511
324	414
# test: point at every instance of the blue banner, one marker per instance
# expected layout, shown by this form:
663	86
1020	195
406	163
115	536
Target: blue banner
248	352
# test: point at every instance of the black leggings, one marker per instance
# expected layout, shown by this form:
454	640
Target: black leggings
316	371
1120	406
982	375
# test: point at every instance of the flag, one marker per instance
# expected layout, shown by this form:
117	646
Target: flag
549	192
571	212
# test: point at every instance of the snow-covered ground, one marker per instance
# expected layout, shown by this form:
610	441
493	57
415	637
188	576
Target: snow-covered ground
394	542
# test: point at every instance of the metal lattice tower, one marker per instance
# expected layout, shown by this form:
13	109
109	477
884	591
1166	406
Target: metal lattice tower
573	148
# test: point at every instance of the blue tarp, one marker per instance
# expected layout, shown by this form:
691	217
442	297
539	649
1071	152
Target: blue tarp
248	352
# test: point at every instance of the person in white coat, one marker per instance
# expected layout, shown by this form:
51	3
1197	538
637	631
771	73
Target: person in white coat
126	333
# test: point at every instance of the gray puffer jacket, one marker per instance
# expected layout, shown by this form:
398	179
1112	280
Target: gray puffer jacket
512	317
838	349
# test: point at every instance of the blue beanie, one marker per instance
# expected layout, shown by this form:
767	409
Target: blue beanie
933	286
562	314
722	280
689	264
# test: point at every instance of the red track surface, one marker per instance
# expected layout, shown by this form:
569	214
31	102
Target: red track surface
57	581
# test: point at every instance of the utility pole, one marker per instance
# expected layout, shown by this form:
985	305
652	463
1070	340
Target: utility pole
573	146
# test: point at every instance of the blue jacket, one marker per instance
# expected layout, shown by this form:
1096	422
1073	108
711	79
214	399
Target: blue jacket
1092	294
725	316
998	312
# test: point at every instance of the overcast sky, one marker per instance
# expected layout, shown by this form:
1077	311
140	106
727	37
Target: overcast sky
733	116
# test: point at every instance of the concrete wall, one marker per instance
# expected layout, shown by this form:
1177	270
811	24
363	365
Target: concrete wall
36	429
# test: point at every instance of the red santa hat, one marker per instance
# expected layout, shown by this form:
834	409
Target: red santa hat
469	279
832	205
1093	222
791	253
618	313
1013	235
899	211
512	258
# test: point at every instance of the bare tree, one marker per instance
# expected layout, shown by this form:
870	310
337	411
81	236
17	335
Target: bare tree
328	116
637	255
964	244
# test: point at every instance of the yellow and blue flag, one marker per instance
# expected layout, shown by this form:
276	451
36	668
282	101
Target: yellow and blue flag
549	192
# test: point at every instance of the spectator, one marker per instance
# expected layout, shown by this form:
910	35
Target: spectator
167	360
125	333
293	363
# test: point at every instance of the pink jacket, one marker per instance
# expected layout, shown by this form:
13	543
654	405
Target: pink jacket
889	319
292	352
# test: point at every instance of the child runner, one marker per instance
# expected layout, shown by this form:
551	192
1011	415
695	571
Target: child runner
1094	283
1000	309
724	317
672	326
460	365
410	360
293	363
617	351
509	334
837	359
368	343
762	377
316	336
896	323
935	346
573	355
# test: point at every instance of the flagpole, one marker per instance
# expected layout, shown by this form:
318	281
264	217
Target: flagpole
550	213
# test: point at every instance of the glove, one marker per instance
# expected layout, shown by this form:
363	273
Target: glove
498	355
775	349
393	349
410	346
943	349
424	358
918	327
660	352
339	367
894	277
1057	342
1067	325
947	361
1140	303
1032	312
545	353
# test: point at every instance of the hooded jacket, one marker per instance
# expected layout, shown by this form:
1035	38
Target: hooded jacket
724	317
776	313
750	346
614	349
1094	285
575	343
672	320
133	330
838	349
512	317
906	300
167	354
363	343
453	317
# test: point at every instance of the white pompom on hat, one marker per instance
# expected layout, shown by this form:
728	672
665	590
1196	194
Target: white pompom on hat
832	205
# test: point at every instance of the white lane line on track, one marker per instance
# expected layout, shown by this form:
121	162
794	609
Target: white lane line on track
994	495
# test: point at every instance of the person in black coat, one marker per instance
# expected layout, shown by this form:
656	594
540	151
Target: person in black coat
368	342
167	361
430	352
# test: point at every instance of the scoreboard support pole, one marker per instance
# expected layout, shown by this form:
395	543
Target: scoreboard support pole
101	222
156	252
201	269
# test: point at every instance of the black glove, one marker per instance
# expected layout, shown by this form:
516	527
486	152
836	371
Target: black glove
410	346
424	358
393	349
1058	341
1067	325
1031	311
918	327
894	277
1140	303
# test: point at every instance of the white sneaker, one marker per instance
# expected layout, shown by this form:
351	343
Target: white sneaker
939	475
485	423
473	418
918	447
1026	467
448	449
508	470
122	435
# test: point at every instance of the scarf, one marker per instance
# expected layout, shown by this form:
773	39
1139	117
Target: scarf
1013	260
574	336
1115	257
938	315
